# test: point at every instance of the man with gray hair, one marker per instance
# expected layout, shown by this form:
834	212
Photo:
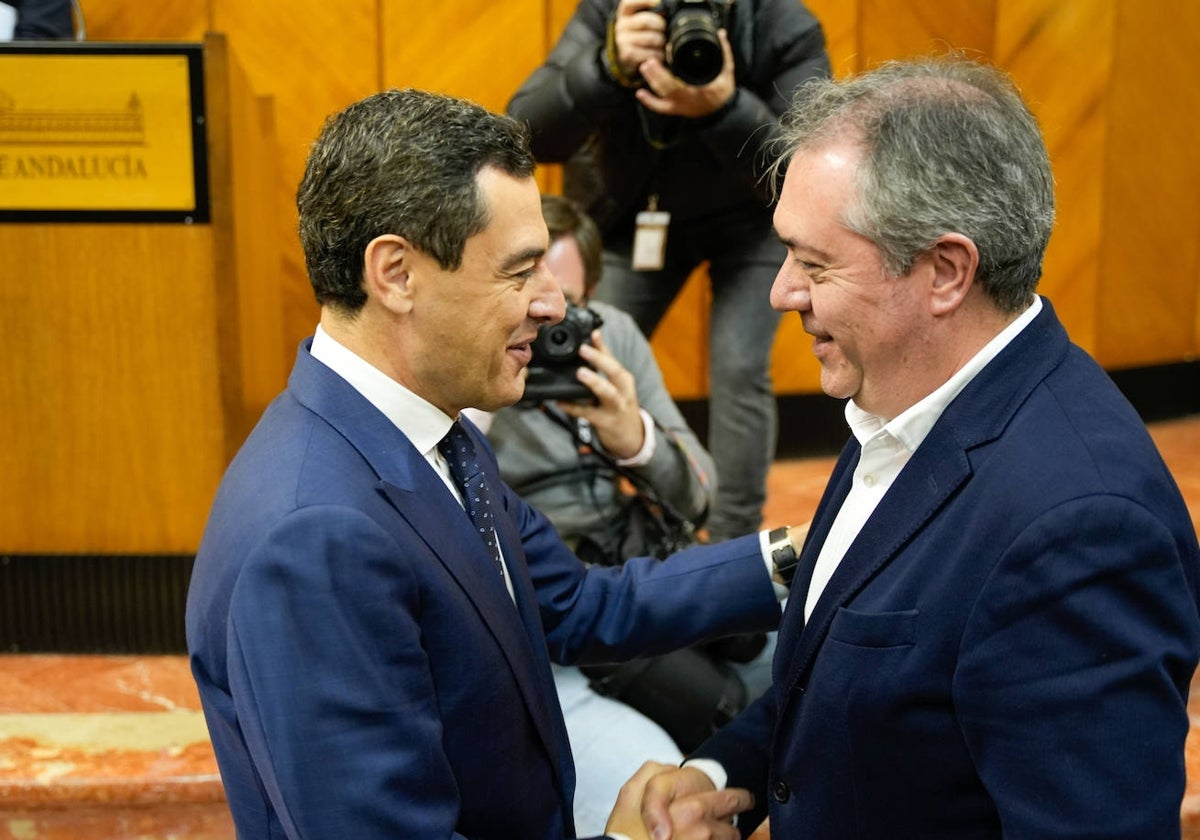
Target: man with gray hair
994	621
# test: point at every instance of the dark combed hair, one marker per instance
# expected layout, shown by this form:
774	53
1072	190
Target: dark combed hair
399	162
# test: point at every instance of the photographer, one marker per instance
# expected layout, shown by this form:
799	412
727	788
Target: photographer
664	114
625	448
628	413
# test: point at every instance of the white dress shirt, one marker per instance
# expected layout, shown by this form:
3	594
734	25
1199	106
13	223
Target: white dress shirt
887	446
423	423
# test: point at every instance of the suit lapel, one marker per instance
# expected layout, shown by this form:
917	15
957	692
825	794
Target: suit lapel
420	496
939	467
547	714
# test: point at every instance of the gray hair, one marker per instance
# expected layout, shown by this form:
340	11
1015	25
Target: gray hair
948	146
402	162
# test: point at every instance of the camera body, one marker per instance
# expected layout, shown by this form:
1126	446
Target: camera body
693	51
556	358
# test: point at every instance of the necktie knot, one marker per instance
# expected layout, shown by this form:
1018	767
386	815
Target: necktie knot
459	452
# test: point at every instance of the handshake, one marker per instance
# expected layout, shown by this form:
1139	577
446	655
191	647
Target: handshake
665	802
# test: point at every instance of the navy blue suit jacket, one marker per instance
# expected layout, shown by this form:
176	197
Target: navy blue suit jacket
363	671
1006	648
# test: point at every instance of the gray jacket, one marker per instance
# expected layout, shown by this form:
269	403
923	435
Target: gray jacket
540	461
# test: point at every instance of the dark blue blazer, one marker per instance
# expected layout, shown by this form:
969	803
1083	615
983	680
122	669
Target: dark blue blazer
1006	648
363	671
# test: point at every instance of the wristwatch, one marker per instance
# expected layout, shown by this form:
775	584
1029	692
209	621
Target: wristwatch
783	556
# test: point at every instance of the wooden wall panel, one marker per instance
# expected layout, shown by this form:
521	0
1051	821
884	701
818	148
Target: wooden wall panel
162	20
1060	54
840	20
313	59
890	29
478	49
680	343
557	14
1150	256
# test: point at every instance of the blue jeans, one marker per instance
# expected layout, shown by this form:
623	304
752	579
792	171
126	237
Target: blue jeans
743	255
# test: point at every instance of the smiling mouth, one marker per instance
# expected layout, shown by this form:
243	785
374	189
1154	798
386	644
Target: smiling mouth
817	335
523	351
820	342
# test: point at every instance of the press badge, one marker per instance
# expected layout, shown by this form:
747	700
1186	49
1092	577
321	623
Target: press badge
650	239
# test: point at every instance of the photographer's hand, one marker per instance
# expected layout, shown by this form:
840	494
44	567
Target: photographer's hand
615	418
666	93
639	34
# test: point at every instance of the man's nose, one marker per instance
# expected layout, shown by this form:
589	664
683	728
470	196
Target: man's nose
790	292
548	305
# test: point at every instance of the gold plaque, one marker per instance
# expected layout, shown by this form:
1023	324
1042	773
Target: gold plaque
102	132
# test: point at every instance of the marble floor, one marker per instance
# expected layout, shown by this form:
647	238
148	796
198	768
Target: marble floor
114	747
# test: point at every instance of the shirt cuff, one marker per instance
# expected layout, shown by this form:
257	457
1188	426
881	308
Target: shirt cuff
649	441
711	768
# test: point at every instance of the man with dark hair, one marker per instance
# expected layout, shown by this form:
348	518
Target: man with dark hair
373	612
994	621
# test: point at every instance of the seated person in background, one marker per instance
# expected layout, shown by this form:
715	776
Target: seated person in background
633	418
619	476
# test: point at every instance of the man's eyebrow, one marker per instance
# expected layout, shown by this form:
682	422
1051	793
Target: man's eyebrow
795	245
519	259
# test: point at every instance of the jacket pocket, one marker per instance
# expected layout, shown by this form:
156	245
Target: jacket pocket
876	630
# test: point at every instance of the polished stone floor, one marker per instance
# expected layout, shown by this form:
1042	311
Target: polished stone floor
114	747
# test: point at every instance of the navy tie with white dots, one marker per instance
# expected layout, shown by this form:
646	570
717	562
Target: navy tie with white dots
458	450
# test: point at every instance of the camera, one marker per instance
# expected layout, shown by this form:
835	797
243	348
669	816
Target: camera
693	48
556	358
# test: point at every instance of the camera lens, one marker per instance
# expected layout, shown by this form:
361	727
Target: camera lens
559	341
694	47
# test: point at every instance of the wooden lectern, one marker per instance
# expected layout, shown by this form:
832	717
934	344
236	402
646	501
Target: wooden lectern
142	330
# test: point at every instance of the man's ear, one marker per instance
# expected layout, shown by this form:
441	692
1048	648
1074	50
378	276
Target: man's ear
387	271
955	259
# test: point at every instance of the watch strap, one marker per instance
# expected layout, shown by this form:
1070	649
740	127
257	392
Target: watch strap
783	555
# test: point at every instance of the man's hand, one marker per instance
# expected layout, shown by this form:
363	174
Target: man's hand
664	802
615	418
640	34
666	93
